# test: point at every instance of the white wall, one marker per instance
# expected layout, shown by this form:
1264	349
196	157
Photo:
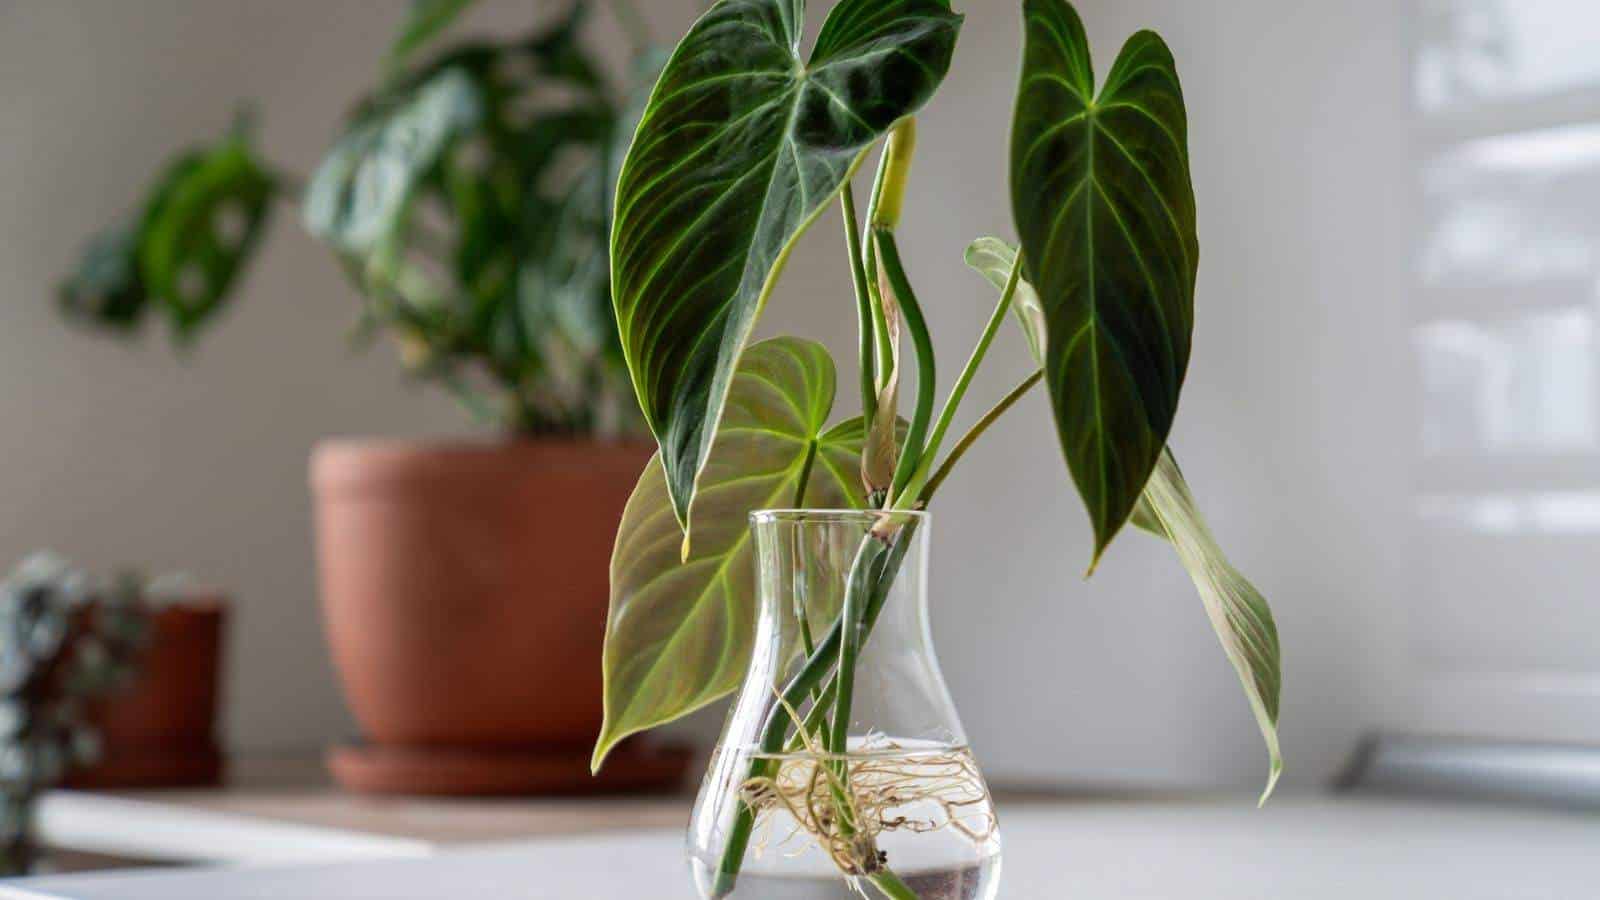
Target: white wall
1296	430
125	454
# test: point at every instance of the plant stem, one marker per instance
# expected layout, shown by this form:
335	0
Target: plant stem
779	721
911	313
913	488
893	167
967	440
864	318
894	171
856	589
892	886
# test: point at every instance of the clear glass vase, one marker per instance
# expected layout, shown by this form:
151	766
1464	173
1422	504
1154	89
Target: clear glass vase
883	801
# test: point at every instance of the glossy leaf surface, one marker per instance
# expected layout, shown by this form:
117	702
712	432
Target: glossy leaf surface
743	143
1237	611
1167	509
679	632
1104	206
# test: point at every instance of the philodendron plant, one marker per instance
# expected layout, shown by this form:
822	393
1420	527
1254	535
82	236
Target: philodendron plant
744	143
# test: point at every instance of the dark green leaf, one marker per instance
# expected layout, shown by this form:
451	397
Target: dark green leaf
1104	205
201	228
679	632
425	20
1237	611
1167	509
743	143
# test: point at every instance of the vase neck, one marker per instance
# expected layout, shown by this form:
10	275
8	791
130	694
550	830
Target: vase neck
820	574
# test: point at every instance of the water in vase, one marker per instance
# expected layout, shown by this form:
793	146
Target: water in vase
809	798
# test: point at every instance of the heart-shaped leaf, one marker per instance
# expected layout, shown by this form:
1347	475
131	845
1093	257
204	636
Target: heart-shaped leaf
1105	208
743	143
1237	611
1167	510
679	633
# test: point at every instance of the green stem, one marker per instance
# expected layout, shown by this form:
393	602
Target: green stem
967	440
779	721
850	646
894	171
815	720
883	208
913	489
864	317
891	885
883	341
800	503
911	313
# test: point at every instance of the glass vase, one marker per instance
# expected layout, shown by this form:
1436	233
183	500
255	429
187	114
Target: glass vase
843	771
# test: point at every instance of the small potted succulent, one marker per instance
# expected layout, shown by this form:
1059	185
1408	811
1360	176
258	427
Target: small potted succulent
468	199
770	546
159	727
64	646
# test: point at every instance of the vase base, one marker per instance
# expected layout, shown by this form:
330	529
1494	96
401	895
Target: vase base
496	771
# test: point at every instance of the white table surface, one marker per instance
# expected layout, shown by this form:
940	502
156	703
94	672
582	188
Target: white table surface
1305	849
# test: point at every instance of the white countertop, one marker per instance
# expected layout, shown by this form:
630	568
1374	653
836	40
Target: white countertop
1305	849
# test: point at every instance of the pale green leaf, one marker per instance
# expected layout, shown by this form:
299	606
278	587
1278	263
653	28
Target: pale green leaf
993	259
679	632
1237	611
1167	510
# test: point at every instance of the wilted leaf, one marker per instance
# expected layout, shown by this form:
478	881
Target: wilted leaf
1237	611
1167	509
993	259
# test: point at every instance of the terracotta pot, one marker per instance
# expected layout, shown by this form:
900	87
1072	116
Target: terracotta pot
160	729
465	588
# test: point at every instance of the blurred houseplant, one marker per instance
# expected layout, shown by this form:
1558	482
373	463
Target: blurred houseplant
468	200
62	645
